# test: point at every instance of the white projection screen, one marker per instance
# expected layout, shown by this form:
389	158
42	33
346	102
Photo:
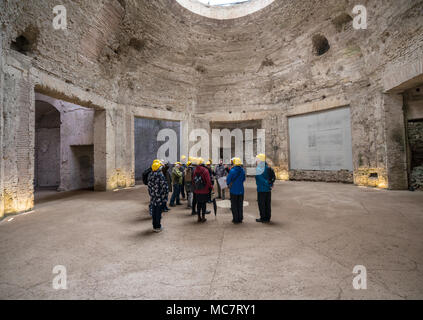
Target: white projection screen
321	140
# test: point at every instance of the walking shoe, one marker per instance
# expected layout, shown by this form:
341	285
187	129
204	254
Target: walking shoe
208	211
259	220
179	204
203	220
158	230
172	205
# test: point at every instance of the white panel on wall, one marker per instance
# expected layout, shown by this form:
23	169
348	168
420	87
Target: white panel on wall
321	140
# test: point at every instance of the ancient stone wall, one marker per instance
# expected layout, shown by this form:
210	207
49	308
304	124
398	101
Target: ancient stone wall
18	139
272	64
156	59
1	125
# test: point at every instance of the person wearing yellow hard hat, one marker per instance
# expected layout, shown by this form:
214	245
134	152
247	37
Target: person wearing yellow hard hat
265	177
235	181
189	170
202	187
158	191
176	184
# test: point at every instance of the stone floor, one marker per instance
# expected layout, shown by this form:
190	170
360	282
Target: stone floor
319	233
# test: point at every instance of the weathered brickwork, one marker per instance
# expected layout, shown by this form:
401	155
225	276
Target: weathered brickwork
1	128
158	60
18	143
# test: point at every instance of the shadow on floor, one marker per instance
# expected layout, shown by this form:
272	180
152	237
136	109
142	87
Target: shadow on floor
48	195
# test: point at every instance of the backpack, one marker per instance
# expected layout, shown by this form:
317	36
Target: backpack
272	176
198	182
145	175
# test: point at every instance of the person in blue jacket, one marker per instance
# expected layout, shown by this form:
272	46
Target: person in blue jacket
265	178
235	181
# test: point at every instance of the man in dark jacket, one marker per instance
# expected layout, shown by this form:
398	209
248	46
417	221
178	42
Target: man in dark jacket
158	191
235	181
264	188
202	188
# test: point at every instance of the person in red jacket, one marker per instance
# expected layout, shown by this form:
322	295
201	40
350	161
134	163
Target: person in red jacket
202	187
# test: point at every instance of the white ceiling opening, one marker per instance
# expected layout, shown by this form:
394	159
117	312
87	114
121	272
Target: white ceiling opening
221	2
224	9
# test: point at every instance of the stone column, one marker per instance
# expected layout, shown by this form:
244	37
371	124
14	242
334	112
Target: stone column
396	158
113	149
124	166
276	126
103	150
18	135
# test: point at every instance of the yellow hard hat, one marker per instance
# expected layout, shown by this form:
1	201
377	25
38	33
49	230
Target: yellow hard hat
157	161
261	157
237	162
156	165
177	162
189	163
208	163
200	160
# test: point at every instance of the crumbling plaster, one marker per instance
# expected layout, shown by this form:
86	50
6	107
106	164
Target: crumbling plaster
158	60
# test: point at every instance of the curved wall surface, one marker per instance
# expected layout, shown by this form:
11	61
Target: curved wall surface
159	60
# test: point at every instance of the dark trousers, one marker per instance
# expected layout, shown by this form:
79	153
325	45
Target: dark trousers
194	203
201	209
202	204
175	194
183	188
157	215
264	204
237	202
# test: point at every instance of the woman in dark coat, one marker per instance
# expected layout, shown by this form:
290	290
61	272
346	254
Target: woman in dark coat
202	192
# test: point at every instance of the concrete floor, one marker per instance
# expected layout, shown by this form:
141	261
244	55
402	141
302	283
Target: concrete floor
319	233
